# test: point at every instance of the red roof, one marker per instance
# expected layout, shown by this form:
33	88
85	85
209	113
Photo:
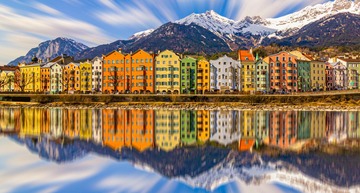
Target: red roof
246	144
245	55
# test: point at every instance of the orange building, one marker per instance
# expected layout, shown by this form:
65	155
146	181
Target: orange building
113	72
71	124
115	128
128	73
45	121
142	73
45	77
128	128
71	77
283	128
283	72
142	129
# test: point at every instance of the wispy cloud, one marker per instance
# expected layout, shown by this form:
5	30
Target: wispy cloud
46	9
40	27
127	14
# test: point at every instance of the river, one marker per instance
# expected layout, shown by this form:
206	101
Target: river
116	150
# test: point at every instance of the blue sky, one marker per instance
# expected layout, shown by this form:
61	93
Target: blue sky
24	24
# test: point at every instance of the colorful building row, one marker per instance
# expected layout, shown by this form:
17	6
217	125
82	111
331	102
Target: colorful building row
168	72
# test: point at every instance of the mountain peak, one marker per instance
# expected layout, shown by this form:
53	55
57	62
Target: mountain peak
51	49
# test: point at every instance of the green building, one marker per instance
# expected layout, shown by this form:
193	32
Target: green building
304	125
188	127
188	76
304	79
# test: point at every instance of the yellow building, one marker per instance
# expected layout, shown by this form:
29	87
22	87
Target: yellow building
30	77
317	74
247	62
203	125
203	76
167	72
85	132
7	81
167	129
85	77
31	124
318	125
71	77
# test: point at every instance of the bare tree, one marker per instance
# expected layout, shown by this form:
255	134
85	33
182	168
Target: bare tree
22	80
3	82
114	78
45	82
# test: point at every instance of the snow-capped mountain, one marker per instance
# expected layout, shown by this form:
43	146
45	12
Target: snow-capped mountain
225	27
141	34
211	21
233	35
313	13
51	49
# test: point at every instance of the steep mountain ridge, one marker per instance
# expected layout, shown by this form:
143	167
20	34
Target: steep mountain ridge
51	49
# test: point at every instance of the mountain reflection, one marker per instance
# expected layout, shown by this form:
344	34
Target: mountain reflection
168	129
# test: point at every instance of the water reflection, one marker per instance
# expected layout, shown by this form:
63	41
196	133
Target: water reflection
163	141
168	129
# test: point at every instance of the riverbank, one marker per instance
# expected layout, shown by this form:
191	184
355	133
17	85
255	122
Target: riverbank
300	102
187	106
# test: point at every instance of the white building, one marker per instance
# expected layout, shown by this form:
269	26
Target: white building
97	74
225	74
56	81
341	77
56	122
225	126
97	125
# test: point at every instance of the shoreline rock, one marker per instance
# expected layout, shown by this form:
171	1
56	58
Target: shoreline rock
185	106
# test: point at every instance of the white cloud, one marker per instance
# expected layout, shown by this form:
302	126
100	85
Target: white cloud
31	26
128	14
47	9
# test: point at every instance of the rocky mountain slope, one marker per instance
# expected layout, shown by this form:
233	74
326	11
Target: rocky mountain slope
51	49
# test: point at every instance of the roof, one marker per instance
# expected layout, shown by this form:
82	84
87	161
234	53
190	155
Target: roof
33	65
8	68
246	144
245	55
48	65
301	56
350	60
56	59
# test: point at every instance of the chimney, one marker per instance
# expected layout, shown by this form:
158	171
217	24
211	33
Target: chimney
120	50
48	59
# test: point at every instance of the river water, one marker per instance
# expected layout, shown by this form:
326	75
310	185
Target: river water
115	150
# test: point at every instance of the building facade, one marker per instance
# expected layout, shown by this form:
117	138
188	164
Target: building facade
225	75
142	72
85	77
203	76
96	74
56	78
283	72
167	72
248	74
71	78
188	75
262	75
318	76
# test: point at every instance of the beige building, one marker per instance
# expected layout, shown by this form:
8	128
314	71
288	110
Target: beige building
167	72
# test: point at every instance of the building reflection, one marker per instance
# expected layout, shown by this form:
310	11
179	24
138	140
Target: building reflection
225	126
169	129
